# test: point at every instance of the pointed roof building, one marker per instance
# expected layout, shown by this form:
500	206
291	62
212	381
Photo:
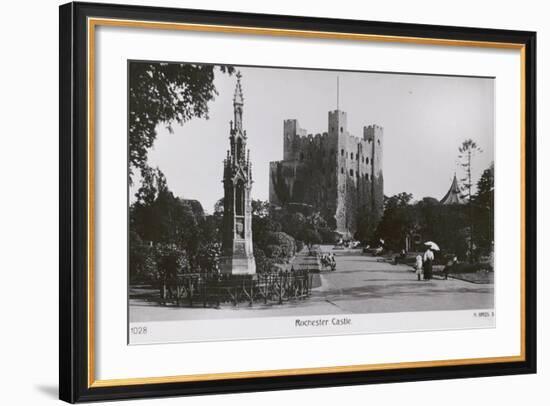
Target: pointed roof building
453	196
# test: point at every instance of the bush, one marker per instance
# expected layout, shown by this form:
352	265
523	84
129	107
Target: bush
310	238
274	251
263	263
285	243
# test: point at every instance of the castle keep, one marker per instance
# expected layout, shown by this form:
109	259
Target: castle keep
336	173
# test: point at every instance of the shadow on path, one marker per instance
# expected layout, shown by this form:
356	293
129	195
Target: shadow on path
427	289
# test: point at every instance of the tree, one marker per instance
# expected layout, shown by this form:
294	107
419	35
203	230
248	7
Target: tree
169	259
467	151
396	221
260	208
293	223
428	218
485	188
366	225
142	260
160	217
310	237
483	202
285	242
165	93
263	262
447	225
170	234
263	228
399	200
429	201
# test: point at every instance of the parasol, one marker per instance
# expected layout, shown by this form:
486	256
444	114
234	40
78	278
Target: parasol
432	245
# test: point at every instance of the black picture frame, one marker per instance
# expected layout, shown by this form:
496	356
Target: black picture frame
74	385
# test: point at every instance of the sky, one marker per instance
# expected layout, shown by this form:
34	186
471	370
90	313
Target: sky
425	119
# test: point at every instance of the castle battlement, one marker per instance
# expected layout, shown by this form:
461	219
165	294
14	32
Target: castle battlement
335	171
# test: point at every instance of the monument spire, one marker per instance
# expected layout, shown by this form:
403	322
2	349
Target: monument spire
238	96
237	247
238	102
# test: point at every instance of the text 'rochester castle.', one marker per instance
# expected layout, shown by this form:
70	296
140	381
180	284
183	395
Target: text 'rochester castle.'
336	173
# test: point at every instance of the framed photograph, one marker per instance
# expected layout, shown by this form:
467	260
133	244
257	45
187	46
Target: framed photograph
257	202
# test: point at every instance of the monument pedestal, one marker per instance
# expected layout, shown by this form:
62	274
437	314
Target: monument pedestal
245	265
241	261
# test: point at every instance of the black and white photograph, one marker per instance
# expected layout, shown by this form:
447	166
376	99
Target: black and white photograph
268	201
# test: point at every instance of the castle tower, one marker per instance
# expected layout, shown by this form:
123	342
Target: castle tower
237	250
374	135
338	174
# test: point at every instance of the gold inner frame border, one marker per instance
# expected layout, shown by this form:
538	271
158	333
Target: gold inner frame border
92	23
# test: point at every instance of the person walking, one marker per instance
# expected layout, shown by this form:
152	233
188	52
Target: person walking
418	266
450	267
428	263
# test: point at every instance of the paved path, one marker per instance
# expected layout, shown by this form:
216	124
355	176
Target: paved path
365	284
360	284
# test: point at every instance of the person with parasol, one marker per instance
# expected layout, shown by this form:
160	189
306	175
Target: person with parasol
428	259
